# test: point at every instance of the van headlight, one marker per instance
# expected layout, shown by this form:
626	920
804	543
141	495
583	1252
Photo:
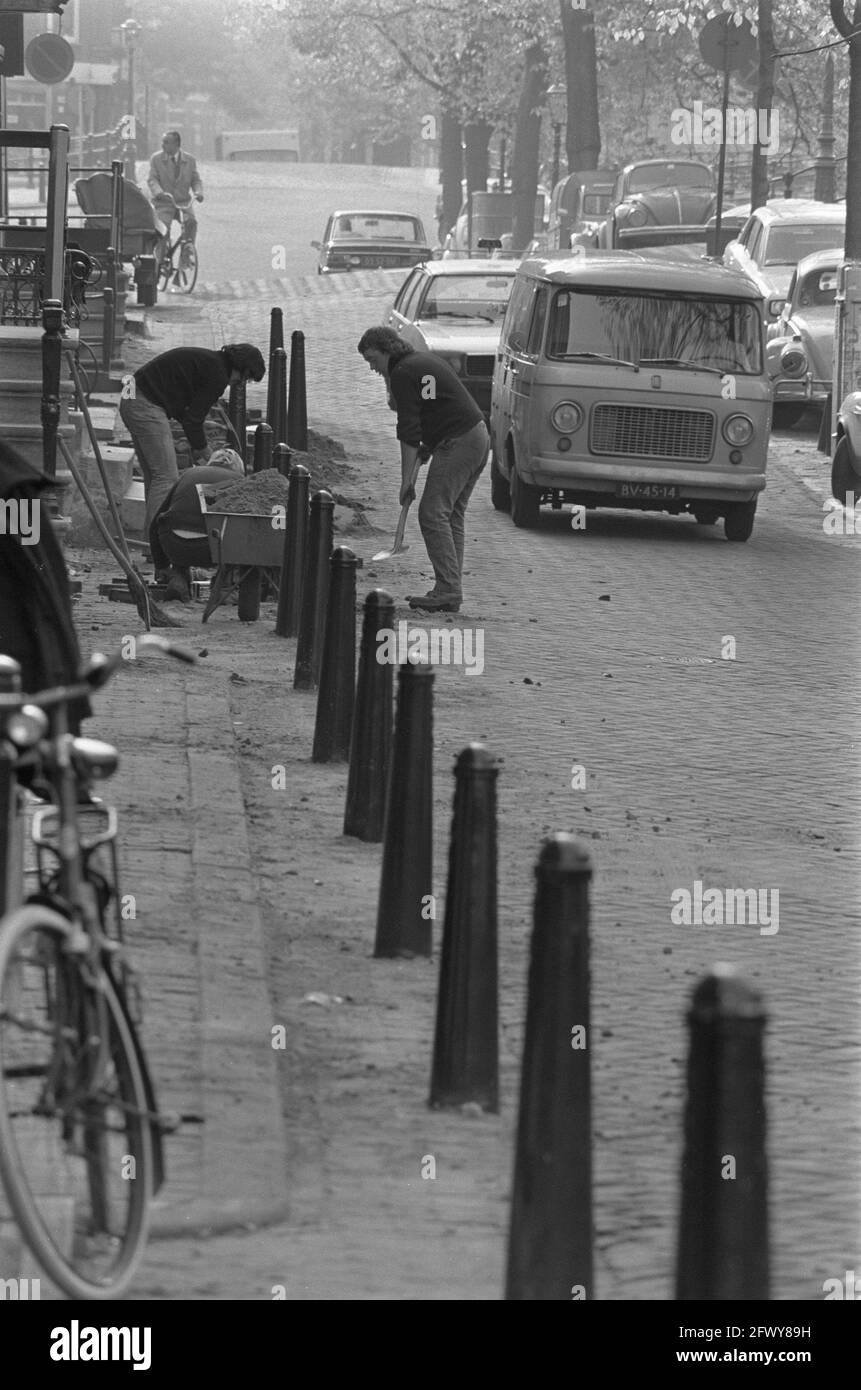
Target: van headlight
737	429
566	417
793	359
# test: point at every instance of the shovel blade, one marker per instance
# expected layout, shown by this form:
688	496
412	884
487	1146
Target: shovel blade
387	554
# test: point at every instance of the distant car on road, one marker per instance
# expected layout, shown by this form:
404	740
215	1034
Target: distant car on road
800	346
488	216
578	205
653	194
455	309
370	240
777	236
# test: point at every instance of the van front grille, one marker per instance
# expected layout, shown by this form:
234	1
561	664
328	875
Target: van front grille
649	431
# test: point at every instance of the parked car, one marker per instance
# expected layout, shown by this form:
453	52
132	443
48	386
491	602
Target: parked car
610	389
846	463
488	216
578	205
654	195
800	345
455	308
366	240
777	236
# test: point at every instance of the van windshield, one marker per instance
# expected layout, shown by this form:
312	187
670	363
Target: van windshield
709	334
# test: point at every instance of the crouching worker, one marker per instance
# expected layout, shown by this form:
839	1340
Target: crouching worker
178	537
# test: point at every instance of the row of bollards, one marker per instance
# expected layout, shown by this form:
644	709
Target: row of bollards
722	1251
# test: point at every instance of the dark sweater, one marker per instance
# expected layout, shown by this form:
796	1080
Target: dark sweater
185	382
180	510
432	402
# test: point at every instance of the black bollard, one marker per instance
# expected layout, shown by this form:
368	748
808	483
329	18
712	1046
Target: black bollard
11	863
338	670
297	410
550	1237
236	414
315	592
277	411
281	459
406	903
293	555
276	340
262	448
723	1227
371	747
466	1044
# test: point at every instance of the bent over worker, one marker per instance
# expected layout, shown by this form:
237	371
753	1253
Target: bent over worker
438	417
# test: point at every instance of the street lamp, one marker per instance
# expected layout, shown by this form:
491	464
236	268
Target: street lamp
557	104
130	31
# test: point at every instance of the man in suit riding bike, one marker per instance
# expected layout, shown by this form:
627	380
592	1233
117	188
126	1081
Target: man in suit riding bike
173	182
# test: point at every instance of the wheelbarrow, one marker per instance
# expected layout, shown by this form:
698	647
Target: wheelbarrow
241	543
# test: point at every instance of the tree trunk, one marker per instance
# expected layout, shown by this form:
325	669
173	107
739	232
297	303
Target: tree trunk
450	172
524	159
845	26
583	133
477	155
764	101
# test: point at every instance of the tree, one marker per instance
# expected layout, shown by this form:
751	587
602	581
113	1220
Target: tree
583	132
850	30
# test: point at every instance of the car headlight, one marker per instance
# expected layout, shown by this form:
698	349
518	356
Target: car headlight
737	429
793	359
566	417
634	214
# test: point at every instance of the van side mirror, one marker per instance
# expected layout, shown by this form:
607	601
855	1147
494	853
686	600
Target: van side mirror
774	306
316	245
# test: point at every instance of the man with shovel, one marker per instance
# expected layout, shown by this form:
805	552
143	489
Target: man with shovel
437	418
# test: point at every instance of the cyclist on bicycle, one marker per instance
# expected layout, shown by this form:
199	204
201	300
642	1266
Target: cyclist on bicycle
174	183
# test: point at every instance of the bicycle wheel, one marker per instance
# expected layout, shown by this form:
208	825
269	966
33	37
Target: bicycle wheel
76	1155
167	267
185	278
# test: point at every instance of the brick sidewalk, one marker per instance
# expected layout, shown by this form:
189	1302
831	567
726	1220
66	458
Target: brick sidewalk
696	768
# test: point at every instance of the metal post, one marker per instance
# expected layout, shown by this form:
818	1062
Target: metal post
825	189
337	690
282	459
723	1229
557	150
371	747
236	414
297	409
11	866
466	1043
550	1238
406	903
315	593
293	559
277	405
262	448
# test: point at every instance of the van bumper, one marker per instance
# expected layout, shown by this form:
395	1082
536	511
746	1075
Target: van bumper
587	475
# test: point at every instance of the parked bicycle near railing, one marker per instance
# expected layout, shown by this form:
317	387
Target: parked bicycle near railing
80	1131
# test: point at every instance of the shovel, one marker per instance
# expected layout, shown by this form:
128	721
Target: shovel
399	546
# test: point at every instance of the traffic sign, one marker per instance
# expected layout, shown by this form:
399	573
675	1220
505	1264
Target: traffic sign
49	58
726	46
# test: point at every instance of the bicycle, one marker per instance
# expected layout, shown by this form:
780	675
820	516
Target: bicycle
178	263
81	1153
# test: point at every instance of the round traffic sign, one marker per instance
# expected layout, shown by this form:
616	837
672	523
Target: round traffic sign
727	46
49	58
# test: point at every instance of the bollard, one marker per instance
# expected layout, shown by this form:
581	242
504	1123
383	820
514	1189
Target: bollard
315	592
262	448
371	747
723	1226
405	908
293	554
281	459
297	410
108	321
550	1237
466	1044
338	669
277	410
11	863
236	414
276	330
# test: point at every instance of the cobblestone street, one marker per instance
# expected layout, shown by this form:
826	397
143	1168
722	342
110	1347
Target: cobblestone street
602	648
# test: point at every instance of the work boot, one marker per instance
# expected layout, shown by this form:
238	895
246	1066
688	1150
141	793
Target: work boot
178	586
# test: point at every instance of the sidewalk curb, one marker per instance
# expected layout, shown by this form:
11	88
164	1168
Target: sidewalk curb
243	1178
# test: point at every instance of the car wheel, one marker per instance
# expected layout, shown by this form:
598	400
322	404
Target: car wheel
844	479
738	520
500	492
785	416
525	502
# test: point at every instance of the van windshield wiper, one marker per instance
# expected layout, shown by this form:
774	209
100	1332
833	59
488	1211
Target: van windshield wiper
453	314
597	357
677	362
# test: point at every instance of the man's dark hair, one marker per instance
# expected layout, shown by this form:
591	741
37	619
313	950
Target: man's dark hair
245	358
386	340
172	135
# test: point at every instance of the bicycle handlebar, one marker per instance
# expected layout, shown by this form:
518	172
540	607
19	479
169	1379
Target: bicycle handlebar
96	674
